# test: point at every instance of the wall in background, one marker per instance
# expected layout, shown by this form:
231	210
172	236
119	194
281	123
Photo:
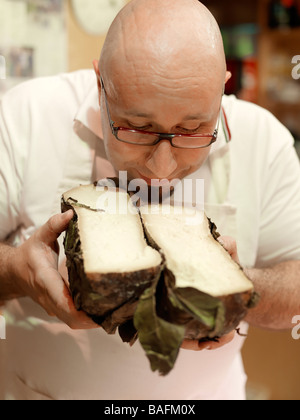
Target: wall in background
82	47
272	361
33	40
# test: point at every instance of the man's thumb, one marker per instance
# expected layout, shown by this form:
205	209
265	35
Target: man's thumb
57	224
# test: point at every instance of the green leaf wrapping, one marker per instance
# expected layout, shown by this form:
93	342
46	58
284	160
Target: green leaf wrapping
165	315
207	310
160	339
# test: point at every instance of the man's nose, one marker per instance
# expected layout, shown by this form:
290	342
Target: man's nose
162	162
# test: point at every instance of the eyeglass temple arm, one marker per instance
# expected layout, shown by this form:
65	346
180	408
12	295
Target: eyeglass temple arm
111	122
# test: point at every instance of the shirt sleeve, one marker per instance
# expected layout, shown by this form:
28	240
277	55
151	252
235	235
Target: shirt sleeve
279	233
11	164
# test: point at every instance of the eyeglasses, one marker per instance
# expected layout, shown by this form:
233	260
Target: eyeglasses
148	138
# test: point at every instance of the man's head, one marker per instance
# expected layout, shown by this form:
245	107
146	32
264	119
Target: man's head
163	68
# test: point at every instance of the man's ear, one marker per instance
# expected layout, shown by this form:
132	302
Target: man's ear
228	76
97	72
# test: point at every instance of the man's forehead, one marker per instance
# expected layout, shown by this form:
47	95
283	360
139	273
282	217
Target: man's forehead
151	86
191	103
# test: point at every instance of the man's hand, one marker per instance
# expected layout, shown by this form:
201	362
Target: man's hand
208	345
230	245
37	276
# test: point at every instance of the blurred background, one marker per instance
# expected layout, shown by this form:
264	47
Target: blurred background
262	43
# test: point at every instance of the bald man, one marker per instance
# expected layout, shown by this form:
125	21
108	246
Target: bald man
162	115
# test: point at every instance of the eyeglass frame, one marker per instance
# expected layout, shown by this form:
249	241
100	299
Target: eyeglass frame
161	136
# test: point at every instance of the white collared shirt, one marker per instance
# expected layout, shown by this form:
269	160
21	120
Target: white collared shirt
50	141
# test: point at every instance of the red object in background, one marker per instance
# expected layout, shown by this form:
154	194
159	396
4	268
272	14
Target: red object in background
287	3
244	80
234	84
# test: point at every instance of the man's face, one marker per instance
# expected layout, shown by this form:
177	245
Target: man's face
159	105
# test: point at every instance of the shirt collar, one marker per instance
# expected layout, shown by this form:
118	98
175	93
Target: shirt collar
89	112
89	115
224	135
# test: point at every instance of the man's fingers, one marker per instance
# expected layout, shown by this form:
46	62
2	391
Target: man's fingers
42	281
57	224
69	315
58	302
195	345
230	245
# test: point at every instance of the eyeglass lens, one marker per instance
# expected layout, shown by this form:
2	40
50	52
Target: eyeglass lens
137	137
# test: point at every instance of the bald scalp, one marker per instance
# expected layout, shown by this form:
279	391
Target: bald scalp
179	37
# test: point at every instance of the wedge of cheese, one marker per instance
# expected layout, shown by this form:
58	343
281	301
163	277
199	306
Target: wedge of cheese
192	253
157	273
210	290
109	261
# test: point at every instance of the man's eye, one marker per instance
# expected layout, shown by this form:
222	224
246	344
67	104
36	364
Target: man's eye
186	131
140	128
190	131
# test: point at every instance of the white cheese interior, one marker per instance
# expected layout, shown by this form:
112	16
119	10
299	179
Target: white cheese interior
193	255
112	241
